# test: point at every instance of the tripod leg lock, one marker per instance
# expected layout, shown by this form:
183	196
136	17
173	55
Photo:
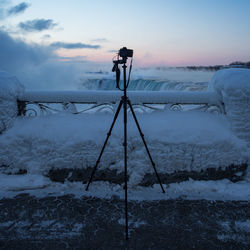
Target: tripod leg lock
124	144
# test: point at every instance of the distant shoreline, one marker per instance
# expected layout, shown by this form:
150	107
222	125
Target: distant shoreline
245	65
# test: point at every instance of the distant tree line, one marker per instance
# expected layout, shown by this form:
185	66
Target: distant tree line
246	64
236	64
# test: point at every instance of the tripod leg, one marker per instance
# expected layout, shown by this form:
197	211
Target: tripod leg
104	145
145	144
125	165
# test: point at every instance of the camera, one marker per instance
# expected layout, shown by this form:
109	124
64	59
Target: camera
125	53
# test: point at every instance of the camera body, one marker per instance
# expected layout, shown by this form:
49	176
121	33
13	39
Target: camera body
125	53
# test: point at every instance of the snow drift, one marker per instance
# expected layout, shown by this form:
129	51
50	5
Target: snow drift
188	141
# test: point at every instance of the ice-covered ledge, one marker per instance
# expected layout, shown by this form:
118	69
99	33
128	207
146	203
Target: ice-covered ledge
233	86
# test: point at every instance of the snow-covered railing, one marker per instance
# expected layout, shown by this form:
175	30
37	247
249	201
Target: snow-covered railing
136	97
229	94
171	100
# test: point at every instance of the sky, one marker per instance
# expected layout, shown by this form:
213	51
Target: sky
161	32
52	41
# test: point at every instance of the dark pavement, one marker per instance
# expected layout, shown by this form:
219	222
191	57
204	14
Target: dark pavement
64	222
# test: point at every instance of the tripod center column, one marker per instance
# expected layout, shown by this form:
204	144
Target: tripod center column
125	148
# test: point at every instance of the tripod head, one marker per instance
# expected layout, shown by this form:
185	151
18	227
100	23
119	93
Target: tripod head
124	53
122	57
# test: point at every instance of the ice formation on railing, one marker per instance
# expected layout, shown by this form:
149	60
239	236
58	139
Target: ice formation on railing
10	89
107	101
233	85
229	87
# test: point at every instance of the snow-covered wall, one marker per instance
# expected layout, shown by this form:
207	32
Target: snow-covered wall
178	141
233	85
10	88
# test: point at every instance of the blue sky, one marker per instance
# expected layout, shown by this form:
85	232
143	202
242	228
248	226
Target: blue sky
161	32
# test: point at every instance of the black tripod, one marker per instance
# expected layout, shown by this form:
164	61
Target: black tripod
124	102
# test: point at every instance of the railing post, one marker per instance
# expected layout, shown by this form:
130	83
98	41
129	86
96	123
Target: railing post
21	108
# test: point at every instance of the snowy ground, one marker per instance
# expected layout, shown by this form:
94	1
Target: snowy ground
40	186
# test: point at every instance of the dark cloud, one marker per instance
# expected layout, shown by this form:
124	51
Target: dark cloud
74	45
18	9
37	25
15	52
11	11
38	67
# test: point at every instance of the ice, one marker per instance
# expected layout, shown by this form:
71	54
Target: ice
233	85
9	85
10	88
232	81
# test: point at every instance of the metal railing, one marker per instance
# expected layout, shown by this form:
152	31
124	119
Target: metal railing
33	102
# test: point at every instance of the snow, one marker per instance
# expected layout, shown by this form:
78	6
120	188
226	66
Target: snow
231	81
10	88
233	85
136	97
178	141
243	225
22	182
12	185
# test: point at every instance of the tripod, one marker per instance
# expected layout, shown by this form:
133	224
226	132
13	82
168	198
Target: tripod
125	102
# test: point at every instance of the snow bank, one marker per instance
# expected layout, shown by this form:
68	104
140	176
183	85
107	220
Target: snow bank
233	85
10	88
178	141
